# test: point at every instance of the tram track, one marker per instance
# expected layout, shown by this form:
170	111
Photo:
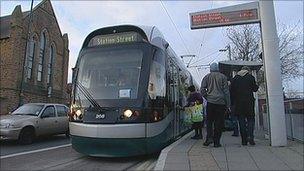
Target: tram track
66	158
61	165
147	163
132	165
142	164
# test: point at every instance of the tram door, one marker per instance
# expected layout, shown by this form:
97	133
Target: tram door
174	93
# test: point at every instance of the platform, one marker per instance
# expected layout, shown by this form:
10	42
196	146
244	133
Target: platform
188	154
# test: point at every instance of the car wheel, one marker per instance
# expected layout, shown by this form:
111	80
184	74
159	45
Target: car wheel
26	136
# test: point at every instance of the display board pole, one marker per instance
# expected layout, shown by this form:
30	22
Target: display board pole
273	74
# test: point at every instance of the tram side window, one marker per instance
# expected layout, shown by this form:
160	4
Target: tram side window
157	79
157	85
170	84
184	84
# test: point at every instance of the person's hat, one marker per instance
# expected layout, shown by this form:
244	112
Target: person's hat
214	67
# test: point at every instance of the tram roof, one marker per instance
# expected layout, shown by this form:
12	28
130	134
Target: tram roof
149	30
150	33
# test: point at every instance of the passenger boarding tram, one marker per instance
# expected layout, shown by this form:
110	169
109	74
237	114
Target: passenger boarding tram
128	91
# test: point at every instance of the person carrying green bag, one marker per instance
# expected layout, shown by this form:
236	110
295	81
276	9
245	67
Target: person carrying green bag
195	108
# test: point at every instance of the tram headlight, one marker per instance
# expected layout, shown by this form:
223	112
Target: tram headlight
76	113
128	113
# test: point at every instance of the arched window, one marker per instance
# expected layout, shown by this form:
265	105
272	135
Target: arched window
50	63
30	57
41	56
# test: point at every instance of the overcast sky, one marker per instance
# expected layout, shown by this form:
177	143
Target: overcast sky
79	18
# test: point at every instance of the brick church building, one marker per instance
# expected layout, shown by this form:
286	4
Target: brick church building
33	62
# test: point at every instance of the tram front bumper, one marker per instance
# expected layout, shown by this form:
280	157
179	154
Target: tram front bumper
118	140
109	147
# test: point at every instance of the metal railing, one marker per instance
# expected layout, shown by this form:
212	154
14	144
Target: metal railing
294	118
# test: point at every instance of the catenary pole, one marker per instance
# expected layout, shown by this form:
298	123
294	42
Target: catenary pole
229	52
273	74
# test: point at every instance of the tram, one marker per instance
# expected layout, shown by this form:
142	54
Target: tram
128	91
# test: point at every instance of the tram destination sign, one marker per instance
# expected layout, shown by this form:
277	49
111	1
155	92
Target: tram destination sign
232	15
115	38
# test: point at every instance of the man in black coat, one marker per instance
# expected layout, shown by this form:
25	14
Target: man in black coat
242	87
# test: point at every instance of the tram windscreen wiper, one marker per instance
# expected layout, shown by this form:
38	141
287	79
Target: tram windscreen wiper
88	96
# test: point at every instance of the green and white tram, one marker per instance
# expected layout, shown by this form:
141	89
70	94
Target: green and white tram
129	88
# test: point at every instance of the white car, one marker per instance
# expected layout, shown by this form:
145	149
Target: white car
34	119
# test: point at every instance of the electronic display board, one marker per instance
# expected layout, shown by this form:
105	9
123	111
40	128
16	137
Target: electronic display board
225	16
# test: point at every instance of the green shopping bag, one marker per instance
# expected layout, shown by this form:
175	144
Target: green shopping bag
193	114
197	115
188	115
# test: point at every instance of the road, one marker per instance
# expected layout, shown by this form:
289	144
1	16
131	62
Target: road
56	153
12	147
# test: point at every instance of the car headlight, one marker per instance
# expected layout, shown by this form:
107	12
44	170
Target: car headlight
10	125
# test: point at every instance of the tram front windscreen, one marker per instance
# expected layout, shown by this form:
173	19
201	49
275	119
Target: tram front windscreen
110	74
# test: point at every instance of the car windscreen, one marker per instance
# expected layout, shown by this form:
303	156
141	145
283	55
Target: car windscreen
29	109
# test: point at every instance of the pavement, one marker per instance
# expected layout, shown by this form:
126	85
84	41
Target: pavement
188	154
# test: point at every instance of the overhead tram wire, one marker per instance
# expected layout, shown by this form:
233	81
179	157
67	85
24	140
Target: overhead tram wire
214	52
203	59
199	51
200	46
204	66
202	38
214	58
204	33
180	35
165	9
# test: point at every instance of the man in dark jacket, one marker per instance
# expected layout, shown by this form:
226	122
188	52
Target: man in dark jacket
242	87
215	89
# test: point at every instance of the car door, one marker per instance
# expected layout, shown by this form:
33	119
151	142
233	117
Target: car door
62	117
47	122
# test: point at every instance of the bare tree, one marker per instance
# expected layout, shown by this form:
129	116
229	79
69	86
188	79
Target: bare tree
245	45
244	42
291	51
